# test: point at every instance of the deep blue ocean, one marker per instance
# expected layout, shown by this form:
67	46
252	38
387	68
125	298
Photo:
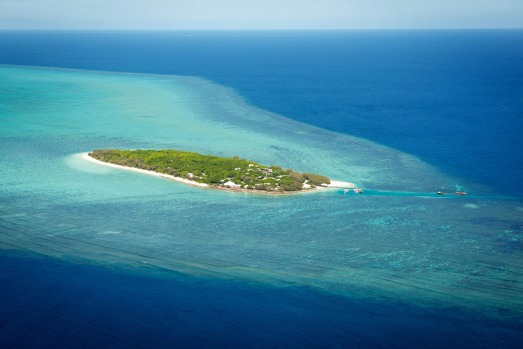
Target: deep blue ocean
48	303
452	98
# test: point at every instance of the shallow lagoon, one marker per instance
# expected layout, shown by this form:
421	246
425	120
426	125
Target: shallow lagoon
401	244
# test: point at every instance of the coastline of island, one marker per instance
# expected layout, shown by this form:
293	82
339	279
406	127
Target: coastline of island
333	184
88	157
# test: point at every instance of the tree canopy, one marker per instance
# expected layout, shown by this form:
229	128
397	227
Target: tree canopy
213	170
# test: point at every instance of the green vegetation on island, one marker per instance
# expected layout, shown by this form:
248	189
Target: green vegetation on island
214	171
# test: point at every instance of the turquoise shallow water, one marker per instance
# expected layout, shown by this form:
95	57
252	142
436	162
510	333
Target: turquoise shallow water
448	252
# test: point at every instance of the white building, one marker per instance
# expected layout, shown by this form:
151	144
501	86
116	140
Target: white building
231	184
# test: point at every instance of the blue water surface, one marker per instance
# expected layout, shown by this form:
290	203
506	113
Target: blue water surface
77	306
453	98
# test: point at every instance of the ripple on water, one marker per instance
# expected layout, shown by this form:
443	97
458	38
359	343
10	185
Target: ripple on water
444	252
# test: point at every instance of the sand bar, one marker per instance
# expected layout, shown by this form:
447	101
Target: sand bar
341	185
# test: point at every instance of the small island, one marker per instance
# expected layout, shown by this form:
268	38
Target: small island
215	172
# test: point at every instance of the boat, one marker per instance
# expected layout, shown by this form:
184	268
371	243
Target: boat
460	193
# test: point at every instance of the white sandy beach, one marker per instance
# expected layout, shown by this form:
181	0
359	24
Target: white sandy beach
178	179
333	184
341	185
